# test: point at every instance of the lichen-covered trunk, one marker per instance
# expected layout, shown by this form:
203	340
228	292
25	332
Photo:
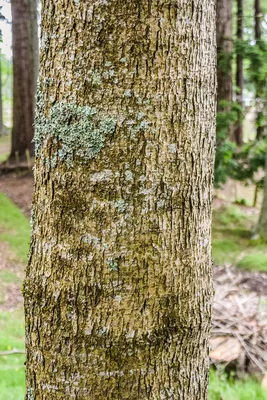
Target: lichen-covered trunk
24	82
118	290
225	53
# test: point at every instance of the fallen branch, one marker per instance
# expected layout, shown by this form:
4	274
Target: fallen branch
11	352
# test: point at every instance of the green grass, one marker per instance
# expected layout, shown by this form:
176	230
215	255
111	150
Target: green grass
225	250
221	388
9	276
3	157
232	232
4	147
14	228
12	370
254	262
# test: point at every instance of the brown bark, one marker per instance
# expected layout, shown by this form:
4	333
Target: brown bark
261	230
24	82
224	51
238	131
34	40
258	18
118	289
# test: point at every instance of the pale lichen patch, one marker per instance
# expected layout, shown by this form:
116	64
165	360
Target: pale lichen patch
102	176
128	175
113	264
81	131
120	205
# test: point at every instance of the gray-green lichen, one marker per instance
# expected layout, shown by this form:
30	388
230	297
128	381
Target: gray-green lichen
120	205
113	264
96	78
80	130
173	148
29	394
128	175
128	93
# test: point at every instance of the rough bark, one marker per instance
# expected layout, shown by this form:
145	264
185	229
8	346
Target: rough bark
224	51
24	81
118	290
238	131
259	105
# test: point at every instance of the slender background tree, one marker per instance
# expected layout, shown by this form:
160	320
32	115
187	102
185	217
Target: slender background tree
238	132
24	78
225	53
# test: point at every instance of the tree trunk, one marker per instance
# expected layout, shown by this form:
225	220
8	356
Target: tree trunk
261	230
24	81
118	290
34	41
259	105
238	132
224	52
258	17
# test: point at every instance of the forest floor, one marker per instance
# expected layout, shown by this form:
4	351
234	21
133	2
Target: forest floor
232	245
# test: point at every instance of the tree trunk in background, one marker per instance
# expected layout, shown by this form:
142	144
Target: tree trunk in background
225	52
238	132
261	230
24	81
118	290
34	40
259	105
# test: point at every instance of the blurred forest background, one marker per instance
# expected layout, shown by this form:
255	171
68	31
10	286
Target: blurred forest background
239	332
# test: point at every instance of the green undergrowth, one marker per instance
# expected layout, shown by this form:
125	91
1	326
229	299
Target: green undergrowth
223	388
15	231
14	228
231	240
254	262
4	147
3	157
12	369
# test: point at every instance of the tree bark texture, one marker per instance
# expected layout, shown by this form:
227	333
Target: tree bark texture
259	104
238	132
24	81
224	51
118	290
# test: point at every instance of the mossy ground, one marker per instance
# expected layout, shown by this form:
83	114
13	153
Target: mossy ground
4	147
12	370
224	388
14	240
232	241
